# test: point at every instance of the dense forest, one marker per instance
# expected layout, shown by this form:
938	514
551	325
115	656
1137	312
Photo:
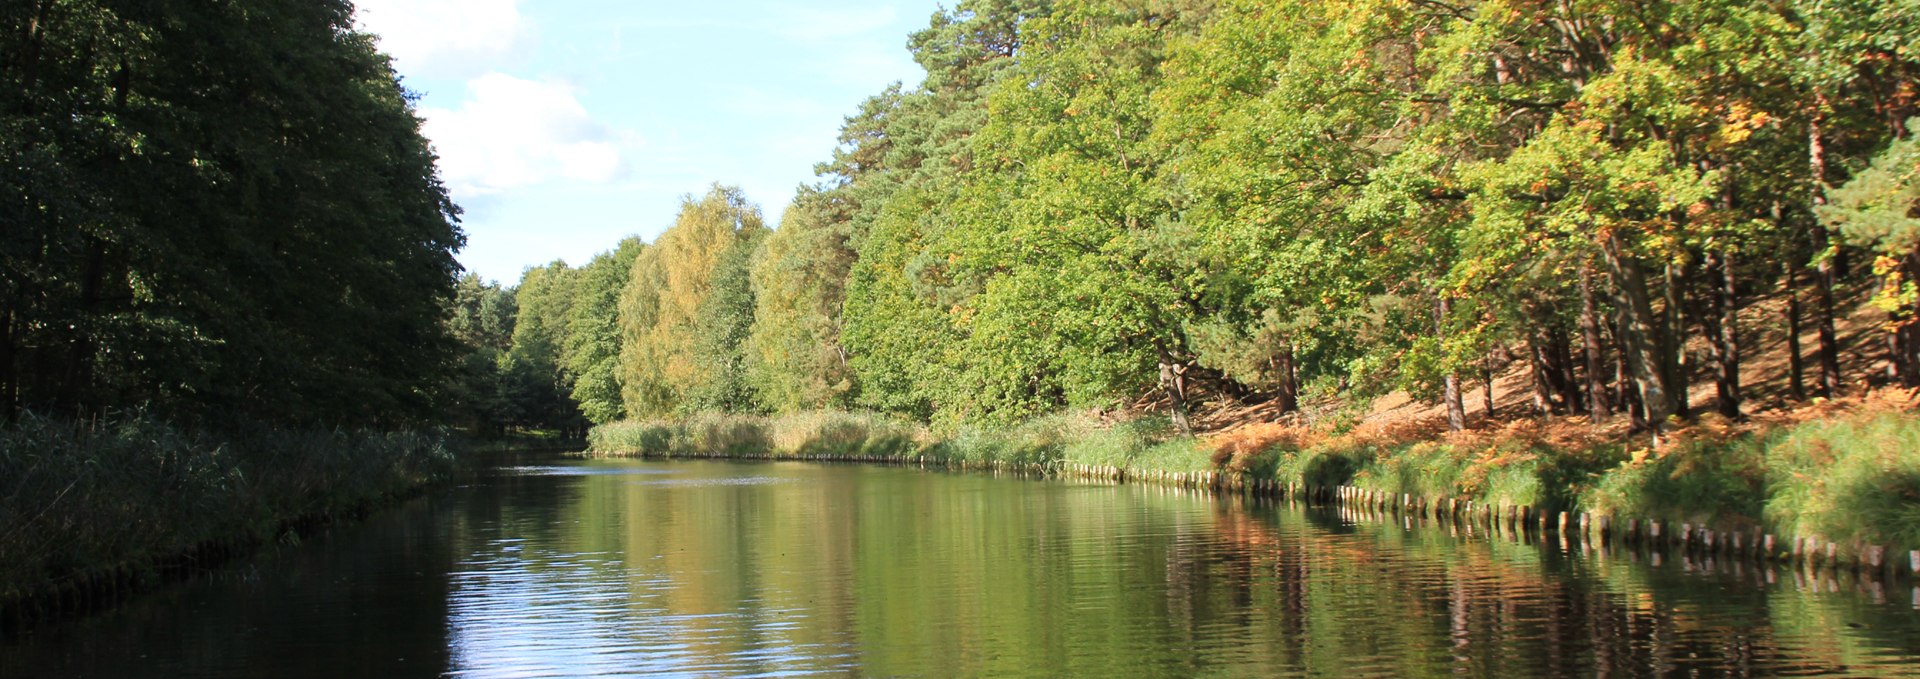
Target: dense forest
226	281
1098	203
217	208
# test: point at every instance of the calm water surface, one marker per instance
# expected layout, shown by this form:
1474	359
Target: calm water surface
572	568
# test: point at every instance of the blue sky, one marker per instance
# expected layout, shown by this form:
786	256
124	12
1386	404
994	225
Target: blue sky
565	125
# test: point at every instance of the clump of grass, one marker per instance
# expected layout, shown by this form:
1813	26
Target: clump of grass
1422	470
641	438
1179	454
1720	483
806	435
1851	480
838	433
724	435
1142	443
1315	467
1037	442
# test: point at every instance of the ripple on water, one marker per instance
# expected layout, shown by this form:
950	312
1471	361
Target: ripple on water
702	482
578	470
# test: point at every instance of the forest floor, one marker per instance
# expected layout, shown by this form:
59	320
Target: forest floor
1766	383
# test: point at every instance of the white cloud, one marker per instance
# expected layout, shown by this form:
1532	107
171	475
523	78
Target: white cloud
425	35
512	133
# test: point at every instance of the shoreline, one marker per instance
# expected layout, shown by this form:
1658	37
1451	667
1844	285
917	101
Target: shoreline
1816	491
99	512
81	593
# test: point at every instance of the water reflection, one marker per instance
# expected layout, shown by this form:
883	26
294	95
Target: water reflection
702	568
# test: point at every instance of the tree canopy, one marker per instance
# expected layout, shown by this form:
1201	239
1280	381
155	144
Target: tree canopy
217	207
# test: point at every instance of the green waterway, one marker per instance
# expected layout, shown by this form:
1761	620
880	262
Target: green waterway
566	567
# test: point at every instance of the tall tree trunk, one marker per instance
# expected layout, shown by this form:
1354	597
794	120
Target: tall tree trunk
1727	334
1288	398
1641	339
1538	372
1456	409
1906	332
1796	367
1173	379
1591	349
1486	385
1626	392
1828	353
9	380
1629	393
30	56
1679	369
76	380
1566	377
1824	274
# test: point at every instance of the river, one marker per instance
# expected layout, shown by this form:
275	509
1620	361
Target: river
567	567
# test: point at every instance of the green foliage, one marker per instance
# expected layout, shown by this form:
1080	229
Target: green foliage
593	345
538	385
221	208
721	329
1851	480
686	310
1720	484
488	389
901	344
1876	208
794	358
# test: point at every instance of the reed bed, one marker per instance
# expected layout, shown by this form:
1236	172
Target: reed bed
130	494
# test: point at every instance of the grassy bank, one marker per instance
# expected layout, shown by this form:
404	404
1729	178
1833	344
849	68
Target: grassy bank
84	506
1045	444
1847	475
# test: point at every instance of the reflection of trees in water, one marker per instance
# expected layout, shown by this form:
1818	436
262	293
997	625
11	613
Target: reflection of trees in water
1419	600
894	572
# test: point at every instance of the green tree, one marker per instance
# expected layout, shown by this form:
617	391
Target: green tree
216	208
665	358
794	357
540	386
481	318
1877	209
593	340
